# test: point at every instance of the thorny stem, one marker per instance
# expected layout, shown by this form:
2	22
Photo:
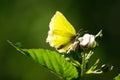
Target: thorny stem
83	65
85	59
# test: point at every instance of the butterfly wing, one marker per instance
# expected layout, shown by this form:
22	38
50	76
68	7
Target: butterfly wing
61	33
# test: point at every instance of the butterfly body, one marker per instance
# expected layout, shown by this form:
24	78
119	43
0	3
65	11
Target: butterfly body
61	34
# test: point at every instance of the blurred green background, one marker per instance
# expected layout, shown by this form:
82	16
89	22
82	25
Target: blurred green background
27	21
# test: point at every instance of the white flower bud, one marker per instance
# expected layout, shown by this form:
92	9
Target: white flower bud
87	40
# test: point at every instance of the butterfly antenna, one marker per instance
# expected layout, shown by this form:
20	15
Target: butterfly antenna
82	31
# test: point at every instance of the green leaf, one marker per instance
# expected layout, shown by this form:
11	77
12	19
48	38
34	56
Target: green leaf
53	61
117	77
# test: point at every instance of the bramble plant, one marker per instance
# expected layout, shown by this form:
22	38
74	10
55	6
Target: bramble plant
74	50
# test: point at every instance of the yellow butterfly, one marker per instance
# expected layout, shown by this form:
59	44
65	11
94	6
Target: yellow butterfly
61	34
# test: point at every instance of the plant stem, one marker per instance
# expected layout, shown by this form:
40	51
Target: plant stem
83	66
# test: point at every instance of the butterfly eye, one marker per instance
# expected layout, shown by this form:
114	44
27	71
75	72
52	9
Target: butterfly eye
77	36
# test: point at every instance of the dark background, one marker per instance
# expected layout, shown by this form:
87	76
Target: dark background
27	21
